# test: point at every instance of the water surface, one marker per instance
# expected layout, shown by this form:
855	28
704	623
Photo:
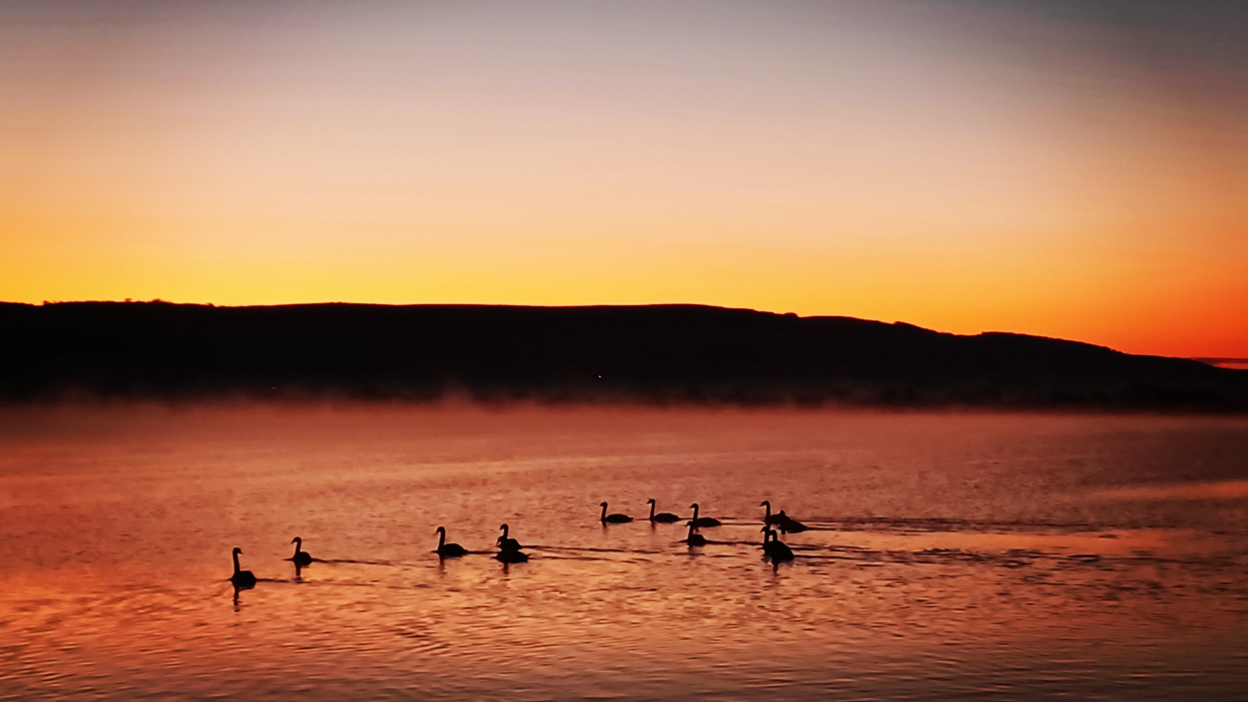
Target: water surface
949	556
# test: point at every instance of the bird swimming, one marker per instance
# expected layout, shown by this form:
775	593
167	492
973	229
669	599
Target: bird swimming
694	538
789	524
445	550
509	549
507	544
301	557
512	556
704	521
775	549
769	518
613	518
242	579
661	517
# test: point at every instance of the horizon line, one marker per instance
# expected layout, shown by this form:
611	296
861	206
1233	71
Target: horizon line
1208	360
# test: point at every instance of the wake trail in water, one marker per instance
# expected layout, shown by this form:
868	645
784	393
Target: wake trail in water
553	557
589	549
354	561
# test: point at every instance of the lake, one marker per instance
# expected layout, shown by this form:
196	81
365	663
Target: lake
947	556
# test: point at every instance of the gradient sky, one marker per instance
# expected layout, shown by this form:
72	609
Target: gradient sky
1073	169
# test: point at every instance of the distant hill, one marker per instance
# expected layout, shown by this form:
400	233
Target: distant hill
657	354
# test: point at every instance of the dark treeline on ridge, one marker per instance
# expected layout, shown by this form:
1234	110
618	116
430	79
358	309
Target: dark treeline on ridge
666	354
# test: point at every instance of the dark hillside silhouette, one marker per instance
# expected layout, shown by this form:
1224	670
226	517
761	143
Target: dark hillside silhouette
659	353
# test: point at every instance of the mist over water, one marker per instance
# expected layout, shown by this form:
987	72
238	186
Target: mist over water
949	555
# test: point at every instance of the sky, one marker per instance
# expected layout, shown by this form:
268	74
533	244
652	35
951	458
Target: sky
1070	169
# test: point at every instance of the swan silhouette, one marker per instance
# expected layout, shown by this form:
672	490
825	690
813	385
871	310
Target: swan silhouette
507	544
242	579
775	549
445	550
613	518
769	518
789	524
661	517
694	538
512	556
301	557
704	521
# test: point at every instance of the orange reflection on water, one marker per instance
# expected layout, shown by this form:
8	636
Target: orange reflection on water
1222	490
947	555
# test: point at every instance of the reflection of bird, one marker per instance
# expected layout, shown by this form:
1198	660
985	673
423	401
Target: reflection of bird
301	557
694	538
613	518
242	579
769	518
662	517
446	550
774	548
704	521
789	524
505	543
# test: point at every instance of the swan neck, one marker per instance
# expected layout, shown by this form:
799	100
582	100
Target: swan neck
652	511
604	512
441	538
236	569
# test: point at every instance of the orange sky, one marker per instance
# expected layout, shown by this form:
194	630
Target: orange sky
1048	168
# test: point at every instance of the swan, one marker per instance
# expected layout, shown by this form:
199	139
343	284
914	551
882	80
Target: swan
301	557
788	524
774	548
694	539
662	517
613	518
242	579
512	556
704	521
445	550
769	518
507	544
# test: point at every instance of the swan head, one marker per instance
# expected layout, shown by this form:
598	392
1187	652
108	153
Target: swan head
440	530
237	550
650	501
603	505
297	540
503	527
765	503
693	506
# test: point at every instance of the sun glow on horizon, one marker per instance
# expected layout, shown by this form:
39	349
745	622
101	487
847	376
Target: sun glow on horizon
961	166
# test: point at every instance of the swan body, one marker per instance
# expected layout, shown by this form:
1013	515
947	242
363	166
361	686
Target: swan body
775	549
507	544
694	538
769	518
661	517
301	557
512	556
242	579
789	525
704	521
445	550
613	518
